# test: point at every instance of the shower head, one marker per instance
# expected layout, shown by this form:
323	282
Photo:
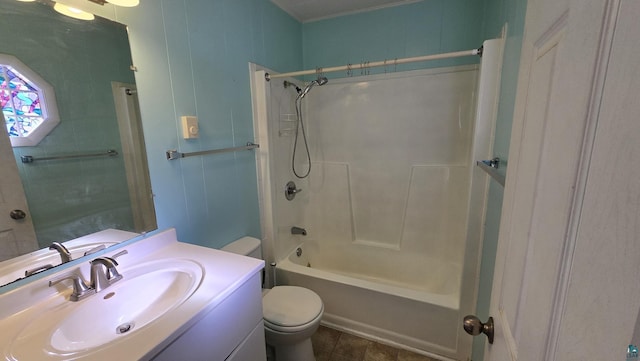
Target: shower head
320	81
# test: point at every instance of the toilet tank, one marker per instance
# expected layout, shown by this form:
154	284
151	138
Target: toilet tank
246	246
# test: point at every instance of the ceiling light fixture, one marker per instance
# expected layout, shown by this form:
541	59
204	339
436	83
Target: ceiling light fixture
125	3
73	12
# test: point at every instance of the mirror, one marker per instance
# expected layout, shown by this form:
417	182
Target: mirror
85	187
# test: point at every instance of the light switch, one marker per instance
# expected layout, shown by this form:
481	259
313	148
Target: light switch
189	127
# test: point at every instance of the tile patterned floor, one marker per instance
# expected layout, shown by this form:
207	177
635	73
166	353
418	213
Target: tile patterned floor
333	345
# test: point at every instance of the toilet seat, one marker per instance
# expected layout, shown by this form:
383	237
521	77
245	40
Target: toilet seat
290	308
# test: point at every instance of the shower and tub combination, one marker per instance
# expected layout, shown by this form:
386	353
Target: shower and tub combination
378	171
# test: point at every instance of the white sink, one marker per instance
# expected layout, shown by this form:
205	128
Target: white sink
167	288
147	292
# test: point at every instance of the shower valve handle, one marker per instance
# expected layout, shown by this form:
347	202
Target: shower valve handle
290	190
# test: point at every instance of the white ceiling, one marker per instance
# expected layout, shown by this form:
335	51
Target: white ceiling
310	10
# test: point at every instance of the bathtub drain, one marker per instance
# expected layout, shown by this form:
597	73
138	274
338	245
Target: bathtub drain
125	327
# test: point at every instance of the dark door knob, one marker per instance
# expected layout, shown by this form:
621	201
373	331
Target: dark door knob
17	214
474	327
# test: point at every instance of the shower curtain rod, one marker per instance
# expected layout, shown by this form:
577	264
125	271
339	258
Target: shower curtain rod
367	64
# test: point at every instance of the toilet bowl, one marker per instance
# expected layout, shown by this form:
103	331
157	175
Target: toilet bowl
291	314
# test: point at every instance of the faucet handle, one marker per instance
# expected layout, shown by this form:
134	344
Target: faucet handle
95	249
121	253
38	269
80	288
290	190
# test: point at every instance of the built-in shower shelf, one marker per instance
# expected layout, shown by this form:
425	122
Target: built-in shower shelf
288	125
491	167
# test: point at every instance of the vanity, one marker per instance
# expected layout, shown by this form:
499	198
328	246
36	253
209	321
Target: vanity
174	301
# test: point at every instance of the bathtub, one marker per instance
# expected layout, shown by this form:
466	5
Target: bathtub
416	313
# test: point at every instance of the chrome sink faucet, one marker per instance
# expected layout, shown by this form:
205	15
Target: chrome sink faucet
65	255
104	273
80	288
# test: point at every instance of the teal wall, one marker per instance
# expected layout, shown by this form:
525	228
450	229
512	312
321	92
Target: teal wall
496	14
71	198
422	28
192	59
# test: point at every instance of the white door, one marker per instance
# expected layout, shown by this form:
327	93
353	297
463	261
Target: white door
566	284
17	236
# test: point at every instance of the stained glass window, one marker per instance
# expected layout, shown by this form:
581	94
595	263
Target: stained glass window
20	101
27	102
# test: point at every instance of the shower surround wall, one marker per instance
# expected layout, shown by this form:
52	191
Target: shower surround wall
389	175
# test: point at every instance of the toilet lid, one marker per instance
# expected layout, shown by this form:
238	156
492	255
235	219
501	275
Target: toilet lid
290	306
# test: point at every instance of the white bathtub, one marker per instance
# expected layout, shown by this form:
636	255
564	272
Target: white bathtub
417	313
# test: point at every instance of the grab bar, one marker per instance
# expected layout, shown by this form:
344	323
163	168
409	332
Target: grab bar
491	167
31	159
174	154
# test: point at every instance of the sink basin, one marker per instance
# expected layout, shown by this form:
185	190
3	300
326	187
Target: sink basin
147	292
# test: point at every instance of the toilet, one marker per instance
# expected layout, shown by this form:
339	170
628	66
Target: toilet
291	314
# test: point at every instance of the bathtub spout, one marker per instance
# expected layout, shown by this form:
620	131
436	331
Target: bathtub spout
298	230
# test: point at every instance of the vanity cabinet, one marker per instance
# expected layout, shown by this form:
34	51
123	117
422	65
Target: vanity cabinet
232	331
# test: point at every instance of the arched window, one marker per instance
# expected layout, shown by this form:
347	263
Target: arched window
28	103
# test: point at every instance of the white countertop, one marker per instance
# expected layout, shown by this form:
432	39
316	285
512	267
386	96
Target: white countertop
223	273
